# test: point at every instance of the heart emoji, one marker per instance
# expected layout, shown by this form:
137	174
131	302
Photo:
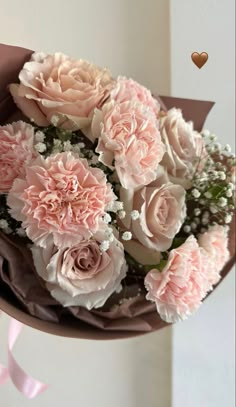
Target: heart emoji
199	59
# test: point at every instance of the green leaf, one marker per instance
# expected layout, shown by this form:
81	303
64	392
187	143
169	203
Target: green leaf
159	267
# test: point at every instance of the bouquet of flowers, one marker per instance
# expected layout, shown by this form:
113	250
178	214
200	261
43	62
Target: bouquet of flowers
109	202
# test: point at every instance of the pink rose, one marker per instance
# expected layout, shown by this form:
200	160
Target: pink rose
162	210
60	196
127	90
56	85
184	146
128	141
215	242
179	288
81	275
16	151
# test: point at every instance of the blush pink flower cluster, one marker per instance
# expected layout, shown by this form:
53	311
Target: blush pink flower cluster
16	152
56	85
103	179
126	90
184	146
215	242
190	272
129	141
60	196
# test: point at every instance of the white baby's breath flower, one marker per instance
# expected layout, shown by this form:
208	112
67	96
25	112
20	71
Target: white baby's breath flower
55	120
104	246
229	193
67	145
117	206
228	218
21	232
227	148
221	175
208	195
107	218
196	193
218	147
197	211
57	142
39	136
206	133
8	230
231	186
40	147
187	229
121	214
76	148
193	226
3	224
81	145
127	236
94	159
205	221
213	209
109	234
222	202
135	214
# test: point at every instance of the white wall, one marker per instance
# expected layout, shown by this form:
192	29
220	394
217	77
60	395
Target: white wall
132	38
204	346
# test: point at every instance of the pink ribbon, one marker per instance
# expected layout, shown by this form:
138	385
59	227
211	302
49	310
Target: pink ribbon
24	383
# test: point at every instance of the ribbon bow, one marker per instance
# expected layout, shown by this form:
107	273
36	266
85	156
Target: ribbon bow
26	384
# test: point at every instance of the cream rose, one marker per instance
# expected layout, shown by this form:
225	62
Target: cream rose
162	210
81	275
184	146
56	85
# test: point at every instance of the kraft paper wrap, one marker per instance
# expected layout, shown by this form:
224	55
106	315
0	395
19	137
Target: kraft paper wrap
22	293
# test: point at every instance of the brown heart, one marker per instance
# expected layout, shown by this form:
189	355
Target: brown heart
199	59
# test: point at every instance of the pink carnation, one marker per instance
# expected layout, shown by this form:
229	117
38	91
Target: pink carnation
60	196
16	151
128	89
215	243
179	289
128	141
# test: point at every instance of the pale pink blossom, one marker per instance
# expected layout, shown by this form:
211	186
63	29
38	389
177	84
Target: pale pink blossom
81	275
126	90
178	290
16	152
128	141
162	210
215	242
56	86
60	196
185	149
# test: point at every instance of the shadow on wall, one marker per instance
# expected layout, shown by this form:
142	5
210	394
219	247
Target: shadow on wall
147	57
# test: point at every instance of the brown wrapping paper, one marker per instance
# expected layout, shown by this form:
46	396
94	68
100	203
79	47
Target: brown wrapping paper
22	293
